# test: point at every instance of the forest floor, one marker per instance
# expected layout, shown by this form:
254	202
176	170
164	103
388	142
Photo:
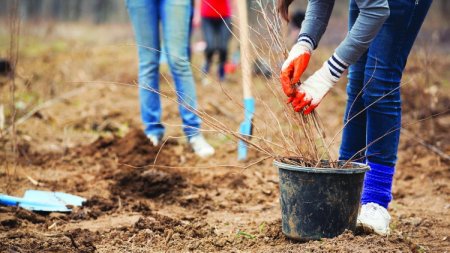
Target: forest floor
88	141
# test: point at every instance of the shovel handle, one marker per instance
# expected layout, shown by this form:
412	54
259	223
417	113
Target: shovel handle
9	201
244	41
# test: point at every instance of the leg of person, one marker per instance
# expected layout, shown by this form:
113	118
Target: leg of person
385	64
144	16
354	132
208	36
224	38
175	17
190	31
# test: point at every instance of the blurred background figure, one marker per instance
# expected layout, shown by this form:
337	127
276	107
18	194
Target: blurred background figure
175	19
215	19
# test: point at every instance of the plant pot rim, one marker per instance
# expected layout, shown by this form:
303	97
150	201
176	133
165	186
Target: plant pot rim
358	168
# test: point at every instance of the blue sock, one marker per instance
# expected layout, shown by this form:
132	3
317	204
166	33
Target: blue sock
378	185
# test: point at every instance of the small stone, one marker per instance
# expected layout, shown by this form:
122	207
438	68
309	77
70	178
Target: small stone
416	221
148	231
267	192
220	243
176	236
193	245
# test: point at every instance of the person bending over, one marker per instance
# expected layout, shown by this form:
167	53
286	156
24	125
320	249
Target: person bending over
375	50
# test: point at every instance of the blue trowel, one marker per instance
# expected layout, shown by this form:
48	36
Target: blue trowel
43	201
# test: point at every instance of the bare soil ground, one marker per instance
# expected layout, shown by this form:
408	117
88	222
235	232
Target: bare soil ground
147	199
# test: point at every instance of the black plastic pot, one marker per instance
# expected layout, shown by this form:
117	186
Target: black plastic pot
319	202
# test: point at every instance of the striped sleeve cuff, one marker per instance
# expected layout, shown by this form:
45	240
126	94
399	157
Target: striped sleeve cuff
307	40
336	66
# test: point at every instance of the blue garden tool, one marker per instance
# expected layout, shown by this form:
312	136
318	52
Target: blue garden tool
249	103
43	201
246	127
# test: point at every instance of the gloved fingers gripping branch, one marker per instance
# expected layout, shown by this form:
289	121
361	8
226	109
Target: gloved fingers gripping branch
310	109
301	100
309	94
295	65
298	97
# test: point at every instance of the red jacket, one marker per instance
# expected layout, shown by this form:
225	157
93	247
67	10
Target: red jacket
215	8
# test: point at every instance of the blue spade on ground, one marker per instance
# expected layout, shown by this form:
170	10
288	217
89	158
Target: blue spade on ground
43	201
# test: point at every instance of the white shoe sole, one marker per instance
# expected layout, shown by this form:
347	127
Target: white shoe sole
370	230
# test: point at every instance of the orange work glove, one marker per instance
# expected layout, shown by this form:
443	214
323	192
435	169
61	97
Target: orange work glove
309	94
294	66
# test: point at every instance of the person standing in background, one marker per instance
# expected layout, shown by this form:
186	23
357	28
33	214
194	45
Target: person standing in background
215	18
174	17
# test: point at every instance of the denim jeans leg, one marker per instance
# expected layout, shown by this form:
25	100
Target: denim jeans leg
224	35
144	16
208	36
175	26
385	64
354	132
415	23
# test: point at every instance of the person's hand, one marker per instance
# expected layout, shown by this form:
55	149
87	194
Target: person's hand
309	94
294	66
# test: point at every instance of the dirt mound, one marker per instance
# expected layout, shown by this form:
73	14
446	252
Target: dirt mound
82	240
14	217
77	240
141	207
149	183
98	206
174	232
133	149
94	208
135	157
100	203
157	223
15	236
29	216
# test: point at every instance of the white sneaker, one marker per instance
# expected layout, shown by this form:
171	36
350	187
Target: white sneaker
206	81
153	139
374	218
201	147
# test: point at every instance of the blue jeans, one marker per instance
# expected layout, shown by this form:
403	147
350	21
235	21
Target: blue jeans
373	115
174	16
217	35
